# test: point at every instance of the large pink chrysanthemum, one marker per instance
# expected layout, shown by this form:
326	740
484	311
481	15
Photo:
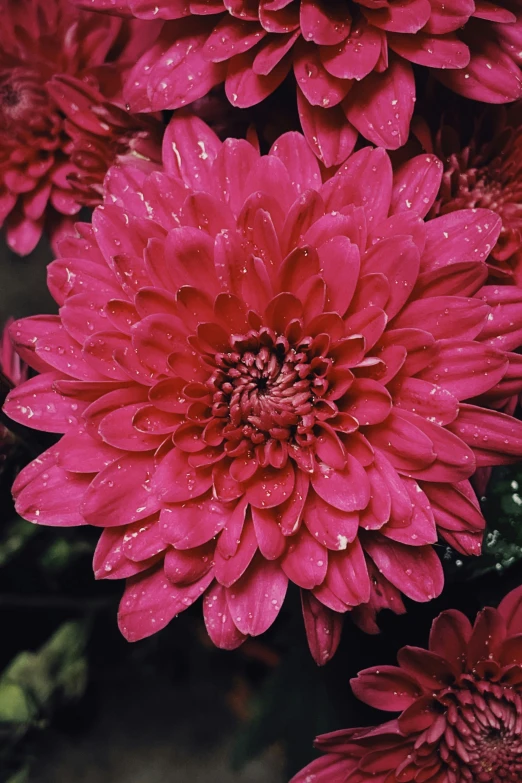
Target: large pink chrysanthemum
60	74
262	378
352	59
460	704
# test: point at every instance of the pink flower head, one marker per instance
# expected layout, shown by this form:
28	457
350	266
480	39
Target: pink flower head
460	704
352	60
485	170
262	378
60	73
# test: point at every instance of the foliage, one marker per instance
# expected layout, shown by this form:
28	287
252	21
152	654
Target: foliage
35	684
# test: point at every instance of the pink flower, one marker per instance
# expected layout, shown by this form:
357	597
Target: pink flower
262	378
60	130
485	170
353	62
460	704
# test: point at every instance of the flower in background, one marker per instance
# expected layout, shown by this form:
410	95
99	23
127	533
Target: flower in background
264	379
61	119
460	704
352	60
484	169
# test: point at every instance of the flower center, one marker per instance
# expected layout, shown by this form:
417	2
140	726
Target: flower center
22	96
269	388
490	181
487	734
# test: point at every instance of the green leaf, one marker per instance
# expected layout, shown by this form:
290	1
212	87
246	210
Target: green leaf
15	707
22	776
14	538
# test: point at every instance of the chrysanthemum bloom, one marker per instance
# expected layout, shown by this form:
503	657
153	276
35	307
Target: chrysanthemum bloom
485	170
262	378
60	74
352	60
460	704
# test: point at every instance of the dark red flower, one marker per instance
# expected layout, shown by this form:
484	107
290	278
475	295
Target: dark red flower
484	169
460	704
60	130
352	59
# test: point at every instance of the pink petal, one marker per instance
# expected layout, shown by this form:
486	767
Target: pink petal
175	481
346	490
429	670
511	610
194	522
416	185
270	539
490	77
426	399
449	637
306	561
245	88
327	131
186	567
270	486
230	568
364	180
489	631
466	369
381	105
151	601
121	493
318	86
421	528
110	562
256	599
397	258
218	621
495	437
444	51
339	265
189	150
323	628
328	525
415	571
403	17
37	404
53	497
466	235
357	55
386	688
299	161
79	453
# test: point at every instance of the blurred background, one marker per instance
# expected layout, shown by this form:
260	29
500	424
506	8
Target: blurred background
78	703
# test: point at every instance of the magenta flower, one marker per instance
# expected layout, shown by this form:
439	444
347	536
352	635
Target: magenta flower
262	378
352	60
460	705
60	130
486	171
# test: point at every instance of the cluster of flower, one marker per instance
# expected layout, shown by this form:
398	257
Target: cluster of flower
284	362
